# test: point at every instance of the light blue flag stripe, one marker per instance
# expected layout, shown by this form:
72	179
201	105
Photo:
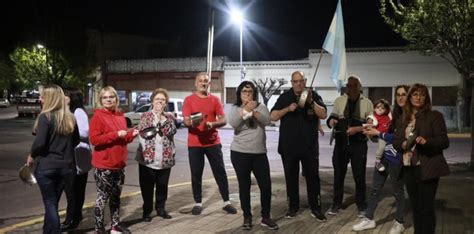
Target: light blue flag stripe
335	45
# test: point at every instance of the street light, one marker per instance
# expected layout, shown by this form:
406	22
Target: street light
238	18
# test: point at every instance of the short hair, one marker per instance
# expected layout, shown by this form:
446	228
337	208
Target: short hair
108	89
355	77
245	83
299	73
157	91
201	74
384	103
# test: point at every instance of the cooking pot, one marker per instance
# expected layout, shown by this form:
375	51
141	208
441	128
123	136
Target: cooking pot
196	117
26	175
303	98
151	132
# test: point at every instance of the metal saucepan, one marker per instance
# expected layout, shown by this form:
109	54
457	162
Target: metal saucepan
196	117
151	132
26	175
303	98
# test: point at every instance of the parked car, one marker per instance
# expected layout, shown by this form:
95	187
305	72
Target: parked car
175	106
4	102
28	106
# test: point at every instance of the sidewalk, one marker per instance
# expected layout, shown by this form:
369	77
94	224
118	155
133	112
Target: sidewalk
454	206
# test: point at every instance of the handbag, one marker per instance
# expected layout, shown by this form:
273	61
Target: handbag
83	158
391	154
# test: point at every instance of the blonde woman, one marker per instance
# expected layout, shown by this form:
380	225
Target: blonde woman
156	154
53	150
109	136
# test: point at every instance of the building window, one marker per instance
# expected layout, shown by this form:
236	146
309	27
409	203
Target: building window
230	95
376	93
443	96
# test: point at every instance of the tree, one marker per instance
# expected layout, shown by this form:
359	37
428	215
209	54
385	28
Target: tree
269	86
438	27
37	64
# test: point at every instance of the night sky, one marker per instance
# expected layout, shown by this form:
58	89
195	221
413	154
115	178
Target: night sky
274	29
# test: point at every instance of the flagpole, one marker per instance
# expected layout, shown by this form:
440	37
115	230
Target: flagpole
317	67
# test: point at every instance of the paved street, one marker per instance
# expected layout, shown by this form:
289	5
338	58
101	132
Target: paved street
22	204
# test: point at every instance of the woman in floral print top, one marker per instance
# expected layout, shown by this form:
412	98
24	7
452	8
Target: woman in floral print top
156	155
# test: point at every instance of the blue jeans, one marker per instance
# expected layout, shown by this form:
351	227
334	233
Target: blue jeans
396	180
51	182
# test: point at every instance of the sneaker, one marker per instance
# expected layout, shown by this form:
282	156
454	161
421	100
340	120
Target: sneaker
318	215
333	210
230	209
364	224
362	214
197	210
269	223
290	214
379	166
247	223
397	228
119	229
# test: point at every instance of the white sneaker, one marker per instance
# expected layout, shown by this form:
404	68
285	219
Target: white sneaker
364	224
397	228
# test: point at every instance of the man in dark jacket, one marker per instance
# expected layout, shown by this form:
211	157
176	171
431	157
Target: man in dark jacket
298	142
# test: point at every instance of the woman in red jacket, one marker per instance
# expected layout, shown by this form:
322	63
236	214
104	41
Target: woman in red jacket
109	136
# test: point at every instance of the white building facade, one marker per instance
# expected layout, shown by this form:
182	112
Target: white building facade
380	69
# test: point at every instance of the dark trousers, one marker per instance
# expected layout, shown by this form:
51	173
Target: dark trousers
244	164
51	182
422	197
196	163
75	189
310	163
396	180
356	154
149	179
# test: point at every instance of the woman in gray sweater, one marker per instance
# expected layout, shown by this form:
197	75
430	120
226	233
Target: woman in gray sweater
249	152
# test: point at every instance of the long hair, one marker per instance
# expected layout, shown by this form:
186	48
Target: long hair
397	109
55	109
408	109
76	99
245	84
112	90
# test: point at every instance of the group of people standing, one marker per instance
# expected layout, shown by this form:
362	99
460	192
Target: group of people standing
416	137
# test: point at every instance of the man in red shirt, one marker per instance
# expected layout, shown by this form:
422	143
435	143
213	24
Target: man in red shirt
203	139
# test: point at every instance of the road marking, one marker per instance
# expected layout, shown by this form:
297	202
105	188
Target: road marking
90	205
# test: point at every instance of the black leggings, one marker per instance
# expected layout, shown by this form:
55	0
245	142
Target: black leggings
244	164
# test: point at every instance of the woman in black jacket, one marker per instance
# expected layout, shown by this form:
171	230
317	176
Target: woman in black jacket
422	136
53	151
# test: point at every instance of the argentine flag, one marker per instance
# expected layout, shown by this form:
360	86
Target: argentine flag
335	45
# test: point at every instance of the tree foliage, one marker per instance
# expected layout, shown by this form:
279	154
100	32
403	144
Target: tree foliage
268	86
40	65
441	27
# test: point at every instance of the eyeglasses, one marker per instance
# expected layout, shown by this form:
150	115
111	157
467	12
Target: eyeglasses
108	97
298	81
418	95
